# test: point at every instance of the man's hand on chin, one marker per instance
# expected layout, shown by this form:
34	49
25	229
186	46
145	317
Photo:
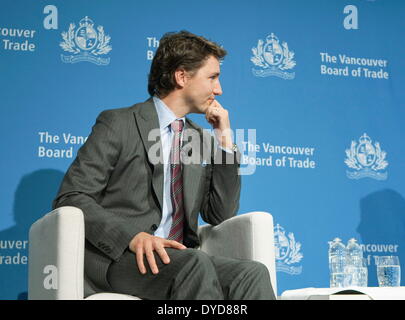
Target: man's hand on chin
218	117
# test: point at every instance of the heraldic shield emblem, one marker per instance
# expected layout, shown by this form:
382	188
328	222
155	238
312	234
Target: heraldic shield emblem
287	251
86	43
272	51
273	59
86	36
366	159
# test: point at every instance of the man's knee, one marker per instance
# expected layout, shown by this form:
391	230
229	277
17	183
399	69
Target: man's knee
190	259
259	271
196	277
262	278
253	267
260	268
198	258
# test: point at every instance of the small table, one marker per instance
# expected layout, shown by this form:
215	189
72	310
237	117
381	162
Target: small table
350	293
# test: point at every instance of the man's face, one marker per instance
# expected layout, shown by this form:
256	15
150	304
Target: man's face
201	88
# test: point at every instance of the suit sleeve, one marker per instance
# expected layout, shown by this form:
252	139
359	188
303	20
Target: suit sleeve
221	201
85	182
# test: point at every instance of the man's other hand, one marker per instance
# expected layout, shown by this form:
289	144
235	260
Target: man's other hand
218	117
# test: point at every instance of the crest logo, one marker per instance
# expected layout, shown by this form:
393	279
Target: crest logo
86	43
366	159
287	251
273	59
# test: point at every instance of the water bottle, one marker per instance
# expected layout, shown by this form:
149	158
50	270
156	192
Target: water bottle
354	253
337	262
355	270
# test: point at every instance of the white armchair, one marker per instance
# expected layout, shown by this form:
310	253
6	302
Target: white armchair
56	252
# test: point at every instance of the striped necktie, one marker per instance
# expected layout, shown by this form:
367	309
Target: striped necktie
176	184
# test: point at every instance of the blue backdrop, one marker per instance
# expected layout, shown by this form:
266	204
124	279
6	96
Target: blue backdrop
320	82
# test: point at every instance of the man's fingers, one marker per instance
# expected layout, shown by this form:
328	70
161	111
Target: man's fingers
162	254
174	244
215	104
139	260
146	247
212	115
151	259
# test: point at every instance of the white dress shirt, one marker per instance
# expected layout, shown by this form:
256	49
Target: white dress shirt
166	117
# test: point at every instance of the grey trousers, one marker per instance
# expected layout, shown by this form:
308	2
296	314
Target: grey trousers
192	275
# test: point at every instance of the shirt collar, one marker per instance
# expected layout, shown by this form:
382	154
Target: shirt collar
165	115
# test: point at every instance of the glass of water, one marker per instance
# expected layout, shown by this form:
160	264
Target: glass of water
388	271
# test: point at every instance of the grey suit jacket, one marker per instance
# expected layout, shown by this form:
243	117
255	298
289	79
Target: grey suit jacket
119	186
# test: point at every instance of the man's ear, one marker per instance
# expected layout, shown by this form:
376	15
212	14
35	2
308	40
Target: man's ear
181	76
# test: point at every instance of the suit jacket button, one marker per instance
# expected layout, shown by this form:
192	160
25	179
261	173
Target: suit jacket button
154	227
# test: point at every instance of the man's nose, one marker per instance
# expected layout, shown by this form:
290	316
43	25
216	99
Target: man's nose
217	89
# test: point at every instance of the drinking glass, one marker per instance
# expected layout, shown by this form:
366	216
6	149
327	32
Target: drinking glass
388	271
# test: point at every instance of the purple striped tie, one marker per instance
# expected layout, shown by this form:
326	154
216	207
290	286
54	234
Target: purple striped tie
176	184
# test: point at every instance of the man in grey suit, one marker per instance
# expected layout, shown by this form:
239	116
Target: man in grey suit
146	172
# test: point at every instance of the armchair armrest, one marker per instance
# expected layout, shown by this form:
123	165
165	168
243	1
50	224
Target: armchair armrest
56	269
247	236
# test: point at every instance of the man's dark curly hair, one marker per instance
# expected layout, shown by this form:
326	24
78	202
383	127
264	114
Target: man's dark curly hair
181	50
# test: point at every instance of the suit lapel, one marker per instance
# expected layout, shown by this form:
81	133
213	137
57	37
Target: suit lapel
148	124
